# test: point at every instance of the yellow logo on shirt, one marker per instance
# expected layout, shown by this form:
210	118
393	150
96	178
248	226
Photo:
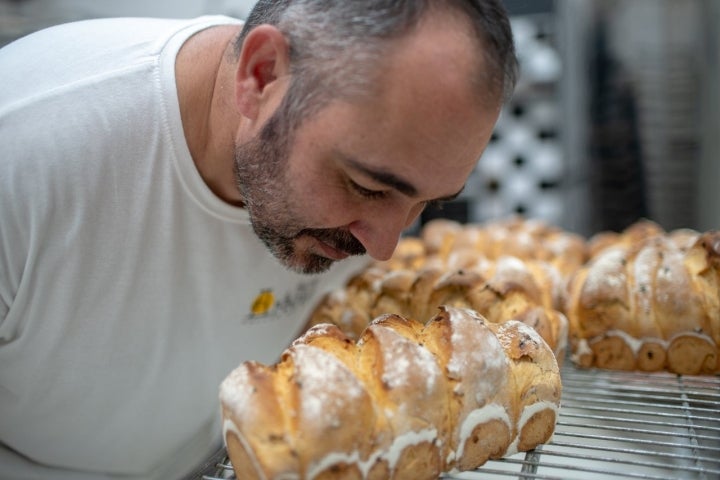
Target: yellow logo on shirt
271	304
263	303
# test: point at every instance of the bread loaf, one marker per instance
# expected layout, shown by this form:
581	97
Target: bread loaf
648	300
526	239
449	245
638	233
506	289
407	400
512	269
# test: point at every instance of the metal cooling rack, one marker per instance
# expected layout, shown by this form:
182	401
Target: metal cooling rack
611	425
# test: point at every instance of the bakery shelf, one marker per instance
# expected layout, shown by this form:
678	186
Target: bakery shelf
612	424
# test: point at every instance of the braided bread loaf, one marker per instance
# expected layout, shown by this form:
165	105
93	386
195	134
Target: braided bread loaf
636	234
506	289
407	400
648	300
526	239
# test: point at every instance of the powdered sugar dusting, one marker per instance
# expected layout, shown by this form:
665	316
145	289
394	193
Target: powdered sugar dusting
237	390
320	375
510	267
320	329
511	270
645	264
478	359
406	362
607	274
558	244
673	292
525	239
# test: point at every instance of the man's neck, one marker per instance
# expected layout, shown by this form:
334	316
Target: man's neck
205	91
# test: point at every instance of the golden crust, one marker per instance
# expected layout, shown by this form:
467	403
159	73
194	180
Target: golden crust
648	300
407	400
510	269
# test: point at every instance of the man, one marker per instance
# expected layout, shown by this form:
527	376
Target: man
167	186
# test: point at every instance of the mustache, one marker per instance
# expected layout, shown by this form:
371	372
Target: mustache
339	239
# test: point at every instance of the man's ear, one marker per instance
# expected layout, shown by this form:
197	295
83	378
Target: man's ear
264	58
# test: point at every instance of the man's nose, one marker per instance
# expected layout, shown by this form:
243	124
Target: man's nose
380	230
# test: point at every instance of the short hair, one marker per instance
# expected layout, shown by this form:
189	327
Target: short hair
334	42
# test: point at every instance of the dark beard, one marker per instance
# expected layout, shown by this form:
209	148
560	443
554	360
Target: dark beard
283	247
260	175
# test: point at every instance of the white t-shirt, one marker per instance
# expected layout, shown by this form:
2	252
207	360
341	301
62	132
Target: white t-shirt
128	290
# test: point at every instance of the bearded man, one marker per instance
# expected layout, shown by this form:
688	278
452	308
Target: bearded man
176	195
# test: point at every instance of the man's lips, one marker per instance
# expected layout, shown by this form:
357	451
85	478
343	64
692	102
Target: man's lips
331	252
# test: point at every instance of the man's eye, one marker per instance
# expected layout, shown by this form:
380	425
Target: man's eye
366	192
435	204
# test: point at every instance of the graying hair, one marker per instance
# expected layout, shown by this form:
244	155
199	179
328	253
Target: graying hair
333	44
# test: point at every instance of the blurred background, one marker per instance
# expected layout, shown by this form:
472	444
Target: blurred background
616	116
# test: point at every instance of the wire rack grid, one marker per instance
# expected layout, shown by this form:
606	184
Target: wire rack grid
612	424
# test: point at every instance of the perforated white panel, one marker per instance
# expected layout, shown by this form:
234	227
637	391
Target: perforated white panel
523	167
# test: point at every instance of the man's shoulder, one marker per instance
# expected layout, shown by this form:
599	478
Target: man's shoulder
77	50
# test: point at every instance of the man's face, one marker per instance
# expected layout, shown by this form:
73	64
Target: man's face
260	169
350	178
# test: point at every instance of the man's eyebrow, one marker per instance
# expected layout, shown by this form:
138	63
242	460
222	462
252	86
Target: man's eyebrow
389	179
450	197
393	181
